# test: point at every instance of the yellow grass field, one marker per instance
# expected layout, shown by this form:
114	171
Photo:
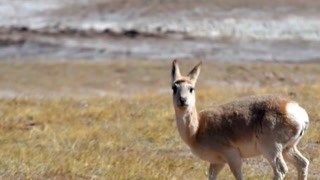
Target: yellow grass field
115	119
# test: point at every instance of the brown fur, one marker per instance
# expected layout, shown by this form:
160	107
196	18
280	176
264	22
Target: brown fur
182	80
243	120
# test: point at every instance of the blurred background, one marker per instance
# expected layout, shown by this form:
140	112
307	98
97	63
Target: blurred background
85	86
217	30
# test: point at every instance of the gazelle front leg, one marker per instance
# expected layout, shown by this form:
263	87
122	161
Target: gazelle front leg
214	170
234	161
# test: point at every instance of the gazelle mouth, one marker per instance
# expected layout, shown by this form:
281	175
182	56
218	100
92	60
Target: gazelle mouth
183	106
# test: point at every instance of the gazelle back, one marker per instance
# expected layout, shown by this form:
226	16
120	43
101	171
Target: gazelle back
257	125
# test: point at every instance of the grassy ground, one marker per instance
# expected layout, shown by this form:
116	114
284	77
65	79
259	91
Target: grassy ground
114	120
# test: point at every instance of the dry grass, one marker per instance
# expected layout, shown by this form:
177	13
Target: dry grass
132	136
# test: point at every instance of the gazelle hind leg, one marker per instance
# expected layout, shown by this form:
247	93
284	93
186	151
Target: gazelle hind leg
214	170
301	163
273	153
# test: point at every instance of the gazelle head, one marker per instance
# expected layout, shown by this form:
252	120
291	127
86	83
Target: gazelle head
183	86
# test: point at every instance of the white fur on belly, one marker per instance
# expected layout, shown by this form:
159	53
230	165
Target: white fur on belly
297	114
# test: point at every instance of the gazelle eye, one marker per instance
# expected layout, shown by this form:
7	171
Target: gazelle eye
174	88
191	89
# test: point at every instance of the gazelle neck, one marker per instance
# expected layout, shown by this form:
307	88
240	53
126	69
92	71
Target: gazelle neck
187	123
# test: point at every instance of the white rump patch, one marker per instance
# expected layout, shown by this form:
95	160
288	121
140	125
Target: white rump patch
298	115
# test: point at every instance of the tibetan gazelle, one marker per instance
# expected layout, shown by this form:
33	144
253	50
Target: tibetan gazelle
258	125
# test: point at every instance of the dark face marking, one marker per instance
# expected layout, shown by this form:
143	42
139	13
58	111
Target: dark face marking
183	93
174	88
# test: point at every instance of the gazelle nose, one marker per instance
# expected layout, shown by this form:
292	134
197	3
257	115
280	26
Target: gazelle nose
183	100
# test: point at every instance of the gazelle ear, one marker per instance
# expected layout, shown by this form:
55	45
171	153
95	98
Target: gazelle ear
175	73
194	73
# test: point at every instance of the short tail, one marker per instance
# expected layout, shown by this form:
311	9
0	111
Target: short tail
298	115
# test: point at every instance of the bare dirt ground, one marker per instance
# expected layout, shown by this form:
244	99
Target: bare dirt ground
134	77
